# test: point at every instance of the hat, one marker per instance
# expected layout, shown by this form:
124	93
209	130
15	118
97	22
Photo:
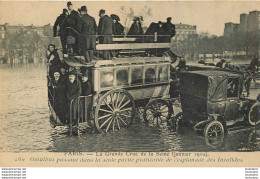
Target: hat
169	18
160	22
85	74
72	73
65	10
69	3
102	11
83	8
136	18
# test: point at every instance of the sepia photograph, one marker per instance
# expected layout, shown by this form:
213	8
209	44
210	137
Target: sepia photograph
129	76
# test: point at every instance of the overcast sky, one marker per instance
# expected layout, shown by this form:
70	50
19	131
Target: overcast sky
207	16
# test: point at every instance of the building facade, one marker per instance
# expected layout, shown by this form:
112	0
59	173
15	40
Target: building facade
184	31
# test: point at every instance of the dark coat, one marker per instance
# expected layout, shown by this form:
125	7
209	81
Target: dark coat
86	88
136	29
73	90
60	21
72	20
119	29
88	25
59	95
56	61
106	26
169	28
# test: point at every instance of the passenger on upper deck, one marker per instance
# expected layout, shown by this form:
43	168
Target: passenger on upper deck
88	27
119	29
106	28
136	27
72	26
73	91
160	31
169	28
60	21
54	59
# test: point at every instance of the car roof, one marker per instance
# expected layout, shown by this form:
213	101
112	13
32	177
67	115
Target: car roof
214	73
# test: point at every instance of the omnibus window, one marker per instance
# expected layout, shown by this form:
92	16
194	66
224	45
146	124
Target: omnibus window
150	76
106	78
137	76
232	88
122	77
163	73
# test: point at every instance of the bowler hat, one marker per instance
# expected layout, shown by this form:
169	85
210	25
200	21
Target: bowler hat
72	73
102	11
69	3
85	74
83	8
169	18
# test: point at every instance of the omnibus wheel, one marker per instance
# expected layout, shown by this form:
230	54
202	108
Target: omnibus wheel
254	114
214	134
115	109
157	111
176	120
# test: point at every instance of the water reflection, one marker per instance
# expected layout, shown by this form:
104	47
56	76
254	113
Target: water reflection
25	125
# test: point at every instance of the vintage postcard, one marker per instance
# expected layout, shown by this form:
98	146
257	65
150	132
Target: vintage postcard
130	83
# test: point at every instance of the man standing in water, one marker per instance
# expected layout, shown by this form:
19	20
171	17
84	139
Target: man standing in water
73	91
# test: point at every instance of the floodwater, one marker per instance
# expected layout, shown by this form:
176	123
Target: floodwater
25	124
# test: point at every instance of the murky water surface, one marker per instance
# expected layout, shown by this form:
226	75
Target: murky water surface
25	124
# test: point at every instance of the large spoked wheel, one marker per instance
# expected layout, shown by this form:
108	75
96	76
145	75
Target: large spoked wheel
157	111
254	114
176	120
115	109
214	134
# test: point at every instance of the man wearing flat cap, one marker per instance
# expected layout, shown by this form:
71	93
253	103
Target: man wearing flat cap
88	28
169	28
106	29
72	25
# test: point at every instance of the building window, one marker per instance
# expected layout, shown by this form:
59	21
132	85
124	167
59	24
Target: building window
122	77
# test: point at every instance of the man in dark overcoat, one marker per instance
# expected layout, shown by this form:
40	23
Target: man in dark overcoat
72	26
88	27
73	91
169	28
60	21
106	29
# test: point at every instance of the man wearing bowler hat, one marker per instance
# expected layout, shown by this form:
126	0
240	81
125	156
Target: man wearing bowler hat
72	25
106	28
88	27
169	28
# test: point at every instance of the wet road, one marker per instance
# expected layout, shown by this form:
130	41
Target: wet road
25	124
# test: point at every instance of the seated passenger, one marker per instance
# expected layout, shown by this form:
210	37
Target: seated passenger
220	64
160	32
73	91
53	59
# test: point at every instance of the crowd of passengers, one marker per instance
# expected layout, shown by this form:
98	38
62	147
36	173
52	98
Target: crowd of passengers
78	31
65	86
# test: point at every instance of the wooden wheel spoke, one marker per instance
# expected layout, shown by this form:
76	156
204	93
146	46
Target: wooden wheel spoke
161	110
116	105
105	110
164	116
108	105
114	120
125	115
109	125
127	109
122	120
125	104
112	100
117	123
121	101
105	121
104	116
